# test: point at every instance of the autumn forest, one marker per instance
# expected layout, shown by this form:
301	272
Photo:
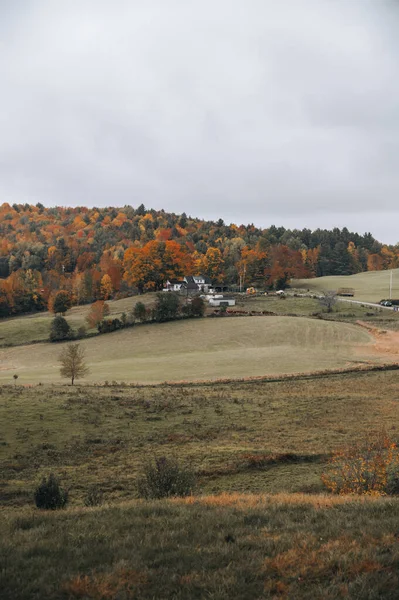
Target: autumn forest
99	253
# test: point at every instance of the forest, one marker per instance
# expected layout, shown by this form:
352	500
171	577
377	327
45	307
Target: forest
101	253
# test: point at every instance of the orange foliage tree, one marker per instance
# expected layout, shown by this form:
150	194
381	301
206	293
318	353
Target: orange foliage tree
98	311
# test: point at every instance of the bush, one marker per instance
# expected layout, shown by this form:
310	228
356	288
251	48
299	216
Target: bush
165	478
60	303
60	330
49	495
140	312
94	497
167	307
109	325
370	468
81	333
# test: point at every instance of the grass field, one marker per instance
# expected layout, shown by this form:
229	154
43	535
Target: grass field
234	538
200	349
28	329
372	286
283	547
100	435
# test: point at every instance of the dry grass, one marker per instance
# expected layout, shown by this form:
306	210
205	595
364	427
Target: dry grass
265	547
253	531
201	350
372	286
254	436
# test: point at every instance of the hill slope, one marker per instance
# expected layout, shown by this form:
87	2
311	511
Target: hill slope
372	286
239	547
200	349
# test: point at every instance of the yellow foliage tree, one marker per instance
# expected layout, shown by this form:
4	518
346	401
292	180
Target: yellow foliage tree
106	287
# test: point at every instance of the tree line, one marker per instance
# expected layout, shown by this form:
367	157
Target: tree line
100	253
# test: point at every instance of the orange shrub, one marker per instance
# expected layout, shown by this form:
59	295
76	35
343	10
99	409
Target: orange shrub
367	467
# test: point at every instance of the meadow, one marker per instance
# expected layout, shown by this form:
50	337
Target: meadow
260	524
30	329
371	286
201	349
101	435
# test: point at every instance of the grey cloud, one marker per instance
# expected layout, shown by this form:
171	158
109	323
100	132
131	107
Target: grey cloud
263	111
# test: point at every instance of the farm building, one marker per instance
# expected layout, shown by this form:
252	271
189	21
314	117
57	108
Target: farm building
346	292
173	285
202	282
223	301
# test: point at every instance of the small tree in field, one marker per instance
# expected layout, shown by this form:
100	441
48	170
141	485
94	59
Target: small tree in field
73	365
60	330
167	307
140	311
60	303
197	307
98	311
328	300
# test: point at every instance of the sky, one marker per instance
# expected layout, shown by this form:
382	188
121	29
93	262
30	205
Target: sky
253	111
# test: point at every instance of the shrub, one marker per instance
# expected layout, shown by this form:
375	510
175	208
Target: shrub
60	330
49	495
94	497
81	333
140	312
109	325
164	478
196	308
60	302
370	467
167	307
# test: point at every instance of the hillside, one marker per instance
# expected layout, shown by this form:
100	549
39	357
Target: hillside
246	547
259	525
101	253
369	287
200	349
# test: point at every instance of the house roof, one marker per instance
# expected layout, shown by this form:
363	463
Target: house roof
190	279
175	281
191	286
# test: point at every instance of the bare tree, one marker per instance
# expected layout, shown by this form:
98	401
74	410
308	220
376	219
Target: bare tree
328	300
73	365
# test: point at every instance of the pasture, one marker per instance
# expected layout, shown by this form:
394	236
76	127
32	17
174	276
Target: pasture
259	525
201	349
371	286
101	435
241	546
28	329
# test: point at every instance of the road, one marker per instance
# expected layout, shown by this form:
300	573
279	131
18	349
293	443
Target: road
365	303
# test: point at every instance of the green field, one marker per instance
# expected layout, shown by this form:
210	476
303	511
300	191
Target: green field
29	329
200	350
234	538
372	286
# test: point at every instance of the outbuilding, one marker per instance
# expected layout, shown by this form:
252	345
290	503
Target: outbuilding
223	301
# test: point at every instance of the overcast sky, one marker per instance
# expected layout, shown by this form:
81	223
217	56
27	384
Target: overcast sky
273	112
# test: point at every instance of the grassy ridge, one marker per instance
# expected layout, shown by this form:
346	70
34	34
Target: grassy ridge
219	547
